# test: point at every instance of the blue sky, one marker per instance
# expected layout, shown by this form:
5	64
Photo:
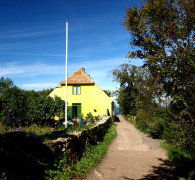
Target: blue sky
32	40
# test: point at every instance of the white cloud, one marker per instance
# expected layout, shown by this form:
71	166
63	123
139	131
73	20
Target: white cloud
36	69
28	73
38	85
37	54
98	66
18	32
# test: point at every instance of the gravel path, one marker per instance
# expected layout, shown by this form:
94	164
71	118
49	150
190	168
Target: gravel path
133	155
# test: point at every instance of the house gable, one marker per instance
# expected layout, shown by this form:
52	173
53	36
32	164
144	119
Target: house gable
79	77
83	90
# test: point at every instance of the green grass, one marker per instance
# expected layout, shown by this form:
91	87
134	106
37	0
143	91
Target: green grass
2	129
185	161
31	129
90	159
79	128
40	130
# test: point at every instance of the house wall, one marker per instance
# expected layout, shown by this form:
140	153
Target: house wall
91	98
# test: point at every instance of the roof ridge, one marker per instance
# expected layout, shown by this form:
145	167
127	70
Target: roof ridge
79	77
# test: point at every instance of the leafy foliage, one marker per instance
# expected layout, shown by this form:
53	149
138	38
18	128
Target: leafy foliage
91	117
29	107
5	83
139	95
16	102
127	93
108	92
162	34
184	161
45	92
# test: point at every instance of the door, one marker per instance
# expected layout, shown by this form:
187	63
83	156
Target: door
76	110
69	112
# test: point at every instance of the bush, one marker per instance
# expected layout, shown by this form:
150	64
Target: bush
181	134
184	161
97	118
16	102
30	107
90	117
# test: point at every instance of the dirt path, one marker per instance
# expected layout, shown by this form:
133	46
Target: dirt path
133	155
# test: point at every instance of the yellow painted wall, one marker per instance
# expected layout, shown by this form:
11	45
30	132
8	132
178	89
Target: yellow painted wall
91	97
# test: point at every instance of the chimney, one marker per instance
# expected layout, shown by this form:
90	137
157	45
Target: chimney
88	75
83	69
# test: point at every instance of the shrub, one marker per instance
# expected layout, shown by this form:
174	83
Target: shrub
29	107
90	117
185	161
97	118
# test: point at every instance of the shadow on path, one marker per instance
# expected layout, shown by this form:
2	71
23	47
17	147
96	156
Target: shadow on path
166	170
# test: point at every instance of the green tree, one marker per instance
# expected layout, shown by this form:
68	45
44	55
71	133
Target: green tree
30	107
35	107
108	92
59	107
5	83
45	92
16	103
127	93
140	95
163	33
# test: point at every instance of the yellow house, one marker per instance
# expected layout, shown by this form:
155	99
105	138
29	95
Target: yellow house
84	96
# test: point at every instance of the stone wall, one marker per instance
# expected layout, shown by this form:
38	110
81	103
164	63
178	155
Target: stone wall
77	142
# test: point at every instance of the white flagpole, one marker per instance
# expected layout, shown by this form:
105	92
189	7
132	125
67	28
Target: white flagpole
66	73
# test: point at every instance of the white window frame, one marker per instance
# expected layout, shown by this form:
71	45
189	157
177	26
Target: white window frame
76	90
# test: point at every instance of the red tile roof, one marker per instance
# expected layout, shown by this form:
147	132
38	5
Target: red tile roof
79	77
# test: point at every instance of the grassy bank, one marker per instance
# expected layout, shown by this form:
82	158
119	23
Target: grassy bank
41	130
184	161
91	157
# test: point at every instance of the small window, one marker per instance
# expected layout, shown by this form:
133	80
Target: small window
76	90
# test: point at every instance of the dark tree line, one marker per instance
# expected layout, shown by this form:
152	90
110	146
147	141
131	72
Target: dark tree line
28	107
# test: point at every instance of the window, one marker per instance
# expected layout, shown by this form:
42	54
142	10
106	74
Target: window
76	90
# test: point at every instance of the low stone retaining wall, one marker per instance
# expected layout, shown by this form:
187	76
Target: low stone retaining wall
22	153
77	142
